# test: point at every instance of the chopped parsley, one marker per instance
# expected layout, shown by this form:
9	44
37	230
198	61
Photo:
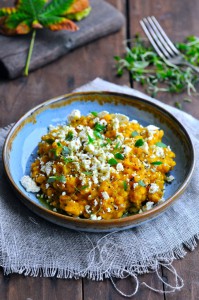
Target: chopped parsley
97	134
65	151
60	178
119	156
139	143
90	139
49	141
125	185
69	136
94	113
99	127
160	144
134	133
156	163
112	162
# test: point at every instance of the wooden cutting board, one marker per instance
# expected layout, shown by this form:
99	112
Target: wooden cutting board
104	19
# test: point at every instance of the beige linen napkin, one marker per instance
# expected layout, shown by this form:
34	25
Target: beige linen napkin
57	251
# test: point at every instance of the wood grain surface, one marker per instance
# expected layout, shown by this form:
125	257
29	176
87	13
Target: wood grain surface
179	18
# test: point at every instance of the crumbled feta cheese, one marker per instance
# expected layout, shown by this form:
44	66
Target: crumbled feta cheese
135	185
63	193
127	149
122	118
159	151
119	167
108	209
170	178
87	209
103	113
116	124
29	184
94	217
95	202
153	188
149	205
74	115
145	147
105	195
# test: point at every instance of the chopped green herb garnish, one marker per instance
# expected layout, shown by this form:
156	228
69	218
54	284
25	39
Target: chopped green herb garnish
104	144
160	144
108	140
97	134
67	160
90	139
65	151
112	162
84	187
59	144
69	136
94	113
134	133
88	173
49	141
125	185
156	163
141	183
99	127
60	178
139	143
117	146
54	151
119	156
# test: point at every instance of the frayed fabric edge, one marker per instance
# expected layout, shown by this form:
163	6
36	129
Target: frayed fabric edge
153	265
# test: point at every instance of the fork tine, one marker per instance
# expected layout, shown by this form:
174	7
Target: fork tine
151	40
169	42
155	38
160	37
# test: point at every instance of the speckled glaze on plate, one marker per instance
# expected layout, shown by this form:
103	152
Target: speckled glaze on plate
20	149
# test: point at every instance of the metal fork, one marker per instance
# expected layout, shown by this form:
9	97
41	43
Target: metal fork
162	44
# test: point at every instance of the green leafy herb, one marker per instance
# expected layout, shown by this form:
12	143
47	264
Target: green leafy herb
90	139
141	183
59	144
125	185
119	156
117	146
88	173
99	127
94	113
112	162
139	143
32	15
134	133
97	134
156	163
69	136
65	151
49	141
60	178
147	68
54	151
67	160
160	144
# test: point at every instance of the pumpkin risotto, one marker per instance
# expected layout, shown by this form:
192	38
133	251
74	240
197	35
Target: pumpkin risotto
101	166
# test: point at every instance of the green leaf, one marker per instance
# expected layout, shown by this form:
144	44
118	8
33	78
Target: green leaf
67	160
94	113
112	162
97	134
57	7
49	141
99	127
69	136
156	163
139	143
134	133
65	151
90	139
160	144
88	173
125	185
119	156
60	178
141	183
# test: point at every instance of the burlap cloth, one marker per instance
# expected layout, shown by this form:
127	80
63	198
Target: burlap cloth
33	246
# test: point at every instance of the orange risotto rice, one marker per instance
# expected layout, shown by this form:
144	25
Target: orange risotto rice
101	166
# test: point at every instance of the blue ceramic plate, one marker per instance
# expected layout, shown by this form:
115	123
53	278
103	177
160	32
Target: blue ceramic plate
21	146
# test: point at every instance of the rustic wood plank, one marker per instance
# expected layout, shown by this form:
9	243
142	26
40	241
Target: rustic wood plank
179	19
20	287
103	20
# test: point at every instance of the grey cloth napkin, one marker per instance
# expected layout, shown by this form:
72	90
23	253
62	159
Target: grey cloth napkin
33	246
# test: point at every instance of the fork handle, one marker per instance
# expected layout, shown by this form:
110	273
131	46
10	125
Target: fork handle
196	69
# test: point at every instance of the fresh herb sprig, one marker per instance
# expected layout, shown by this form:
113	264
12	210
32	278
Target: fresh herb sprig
147	68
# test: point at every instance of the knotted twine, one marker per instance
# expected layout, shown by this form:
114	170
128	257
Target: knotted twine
32	246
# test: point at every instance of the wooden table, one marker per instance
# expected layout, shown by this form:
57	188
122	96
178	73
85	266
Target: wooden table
180	19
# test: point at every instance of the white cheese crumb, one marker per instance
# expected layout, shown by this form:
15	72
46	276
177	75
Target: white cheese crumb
135	185
122	118
149	205
159	152
153	188
127	149
87	209
94	217
74	115
105	195
103	113
63	193
29	184
119	167
145	147
108	209
170	178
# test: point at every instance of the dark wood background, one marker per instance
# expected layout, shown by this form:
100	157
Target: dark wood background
180	19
